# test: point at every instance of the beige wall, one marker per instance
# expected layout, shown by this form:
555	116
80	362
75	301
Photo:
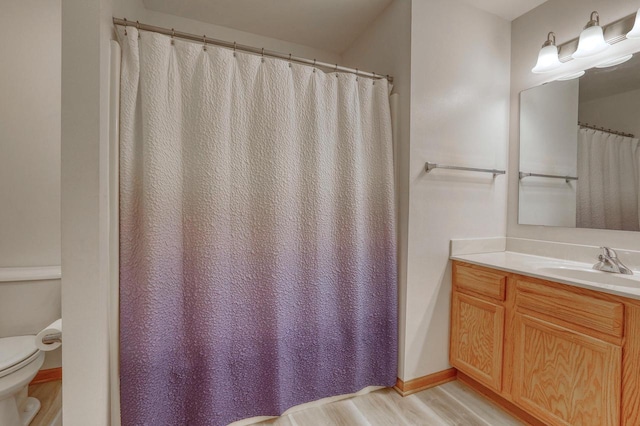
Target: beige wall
30	133
618	112
566	18
135	10
460	58
30	163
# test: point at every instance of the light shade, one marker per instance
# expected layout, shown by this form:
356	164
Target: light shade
548	57
547	60
635	31
591	39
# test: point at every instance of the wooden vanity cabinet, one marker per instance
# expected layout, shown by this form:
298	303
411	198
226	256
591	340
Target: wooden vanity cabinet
563	354
477	316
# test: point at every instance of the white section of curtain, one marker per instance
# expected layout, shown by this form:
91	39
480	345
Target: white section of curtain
609	181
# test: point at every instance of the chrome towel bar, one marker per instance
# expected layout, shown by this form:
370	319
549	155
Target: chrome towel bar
430	166
566	178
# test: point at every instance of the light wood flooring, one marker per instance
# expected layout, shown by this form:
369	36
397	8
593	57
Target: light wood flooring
50	396
449	404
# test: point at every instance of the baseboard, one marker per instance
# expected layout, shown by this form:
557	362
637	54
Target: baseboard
45	376
507	406
425	382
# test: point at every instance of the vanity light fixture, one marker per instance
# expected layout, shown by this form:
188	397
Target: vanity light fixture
548	57
571	76
591	39
614	62
635	31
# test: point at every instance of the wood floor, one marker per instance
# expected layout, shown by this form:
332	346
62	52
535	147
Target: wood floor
450	404
50	396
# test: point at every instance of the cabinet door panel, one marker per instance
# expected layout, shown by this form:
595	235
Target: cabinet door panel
477	331
564	377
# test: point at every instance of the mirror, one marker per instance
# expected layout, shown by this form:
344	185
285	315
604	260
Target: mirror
579	151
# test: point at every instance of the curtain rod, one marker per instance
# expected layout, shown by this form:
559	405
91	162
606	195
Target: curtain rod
249	49
602	129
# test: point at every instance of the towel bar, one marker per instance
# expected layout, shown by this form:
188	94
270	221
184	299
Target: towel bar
566	178
430	166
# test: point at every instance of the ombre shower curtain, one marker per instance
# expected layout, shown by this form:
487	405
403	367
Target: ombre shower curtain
258	242
608	194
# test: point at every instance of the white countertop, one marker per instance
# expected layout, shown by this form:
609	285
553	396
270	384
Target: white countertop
553	269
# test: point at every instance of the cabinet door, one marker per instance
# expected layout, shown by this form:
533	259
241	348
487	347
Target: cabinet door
564	377
477	331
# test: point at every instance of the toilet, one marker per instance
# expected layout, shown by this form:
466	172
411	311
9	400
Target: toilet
20	361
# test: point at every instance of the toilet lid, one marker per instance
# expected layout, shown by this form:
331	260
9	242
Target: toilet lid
15	350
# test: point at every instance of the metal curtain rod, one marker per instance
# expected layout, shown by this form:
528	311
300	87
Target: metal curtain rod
602	129
249	49
566	178
430	166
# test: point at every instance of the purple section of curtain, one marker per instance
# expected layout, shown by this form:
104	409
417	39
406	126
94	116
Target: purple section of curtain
258	246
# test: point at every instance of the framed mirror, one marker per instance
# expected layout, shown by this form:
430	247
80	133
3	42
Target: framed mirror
580	152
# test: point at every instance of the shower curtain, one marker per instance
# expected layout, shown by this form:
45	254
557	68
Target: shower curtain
609	181
258	242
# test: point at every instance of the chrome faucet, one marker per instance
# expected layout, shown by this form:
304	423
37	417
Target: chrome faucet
609	262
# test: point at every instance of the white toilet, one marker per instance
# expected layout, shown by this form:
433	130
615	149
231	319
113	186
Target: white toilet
20	361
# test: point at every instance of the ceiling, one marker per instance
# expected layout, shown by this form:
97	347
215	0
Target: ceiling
507	9
330	25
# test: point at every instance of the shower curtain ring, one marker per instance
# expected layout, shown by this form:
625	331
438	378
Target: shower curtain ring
173	34
234	49
314	65
138	28
289	60
357	74
262	55
125	26
204	42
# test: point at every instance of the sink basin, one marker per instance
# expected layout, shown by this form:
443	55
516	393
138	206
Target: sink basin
588	274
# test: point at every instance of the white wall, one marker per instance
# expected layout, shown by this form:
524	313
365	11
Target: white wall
86	33
385	47
30	133
566	18
134	10
619	112
454	108
30	163
459	115
549	145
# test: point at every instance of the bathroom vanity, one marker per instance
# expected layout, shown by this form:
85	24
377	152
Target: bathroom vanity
549	338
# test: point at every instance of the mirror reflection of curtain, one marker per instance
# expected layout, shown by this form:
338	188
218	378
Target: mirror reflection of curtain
609	181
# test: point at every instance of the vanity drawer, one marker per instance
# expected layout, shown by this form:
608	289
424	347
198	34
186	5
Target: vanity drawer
590	312
478	281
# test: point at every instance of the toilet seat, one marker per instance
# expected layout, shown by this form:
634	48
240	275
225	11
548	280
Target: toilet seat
16	352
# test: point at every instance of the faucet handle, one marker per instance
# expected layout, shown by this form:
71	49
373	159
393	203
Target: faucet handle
609	252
